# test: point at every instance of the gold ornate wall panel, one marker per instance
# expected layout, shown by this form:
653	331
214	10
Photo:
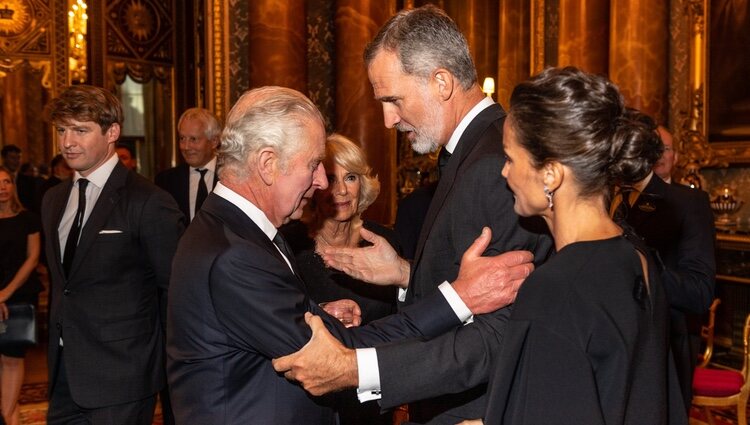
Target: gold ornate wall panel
139	38
26	27
230	46
29	69
321	76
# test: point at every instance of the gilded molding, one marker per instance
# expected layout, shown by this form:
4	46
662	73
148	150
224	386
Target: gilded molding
537	36
219	63
693	129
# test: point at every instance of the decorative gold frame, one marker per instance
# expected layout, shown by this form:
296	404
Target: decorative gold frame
694	129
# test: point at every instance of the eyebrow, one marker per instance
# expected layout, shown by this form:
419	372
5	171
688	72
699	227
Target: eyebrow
388	99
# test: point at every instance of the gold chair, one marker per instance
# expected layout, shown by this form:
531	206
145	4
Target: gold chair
707	333
724	387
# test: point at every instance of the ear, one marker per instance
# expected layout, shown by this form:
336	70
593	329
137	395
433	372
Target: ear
267	164
444	83
215	142
113	133
553	174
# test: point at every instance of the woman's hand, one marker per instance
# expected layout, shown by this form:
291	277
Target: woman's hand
3	312
5	294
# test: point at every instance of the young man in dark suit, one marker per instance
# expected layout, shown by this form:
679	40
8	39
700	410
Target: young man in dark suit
422	72
235	301
111	235
189	183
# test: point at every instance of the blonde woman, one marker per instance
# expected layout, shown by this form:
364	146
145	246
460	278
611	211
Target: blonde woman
19	255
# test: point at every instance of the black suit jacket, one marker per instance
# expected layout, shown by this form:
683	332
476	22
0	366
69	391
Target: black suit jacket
176	181
678	223
234	305
107	311
471	193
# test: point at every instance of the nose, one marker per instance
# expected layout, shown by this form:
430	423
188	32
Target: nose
65	140
505	170
320	181
390	115
340	187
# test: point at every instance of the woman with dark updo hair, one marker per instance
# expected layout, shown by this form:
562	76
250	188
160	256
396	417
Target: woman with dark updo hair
587	339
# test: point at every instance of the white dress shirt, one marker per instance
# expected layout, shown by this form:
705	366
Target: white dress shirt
97	179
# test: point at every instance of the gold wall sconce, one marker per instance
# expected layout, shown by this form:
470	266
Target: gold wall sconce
488	87
77	26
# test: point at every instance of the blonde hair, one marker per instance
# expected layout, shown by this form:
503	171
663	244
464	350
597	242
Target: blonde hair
15	204
351	157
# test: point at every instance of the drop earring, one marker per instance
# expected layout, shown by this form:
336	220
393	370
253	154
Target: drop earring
549	194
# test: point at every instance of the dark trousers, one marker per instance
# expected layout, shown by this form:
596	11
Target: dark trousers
64	410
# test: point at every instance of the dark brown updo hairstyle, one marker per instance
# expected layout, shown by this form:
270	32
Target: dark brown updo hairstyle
580	120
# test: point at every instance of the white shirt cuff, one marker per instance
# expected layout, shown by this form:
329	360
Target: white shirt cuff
369	375
402	294
456	303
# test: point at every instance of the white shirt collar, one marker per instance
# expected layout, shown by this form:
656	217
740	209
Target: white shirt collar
467	119
254	213
210	165
100	176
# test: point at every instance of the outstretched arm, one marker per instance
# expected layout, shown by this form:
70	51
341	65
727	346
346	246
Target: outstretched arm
378	264
324	365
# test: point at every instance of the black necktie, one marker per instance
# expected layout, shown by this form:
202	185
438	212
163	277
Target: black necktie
283	246
75	229
202	190
443	157
623	208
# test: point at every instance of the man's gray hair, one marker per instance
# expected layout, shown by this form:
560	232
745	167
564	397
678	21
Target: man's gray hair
264	117
205	117
425	39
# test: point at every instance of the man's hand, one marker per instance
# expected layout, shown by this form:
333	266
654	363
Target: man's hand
486	284
323	365
346	310
378	264
471	422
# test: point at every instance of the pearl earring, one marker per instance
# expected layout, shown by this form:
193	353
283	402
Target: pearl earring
549	194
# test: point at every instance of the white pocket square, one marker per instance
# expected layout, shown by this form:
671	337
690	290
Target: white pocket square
109	232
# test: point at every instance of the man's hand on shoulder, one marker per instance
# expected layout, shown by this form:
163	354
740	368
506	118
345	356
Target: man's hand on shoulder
486	284
323	365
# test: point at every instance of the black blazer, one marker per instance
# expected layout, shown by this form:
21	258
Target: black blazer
176	181
234	305
108	310
471	193
678	223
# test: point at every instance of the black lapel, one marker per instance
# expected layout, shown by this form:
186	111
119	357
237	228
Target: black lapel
57	205
465	146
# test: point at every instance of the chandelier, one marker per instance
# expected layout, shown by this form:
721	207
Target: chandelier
77	22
